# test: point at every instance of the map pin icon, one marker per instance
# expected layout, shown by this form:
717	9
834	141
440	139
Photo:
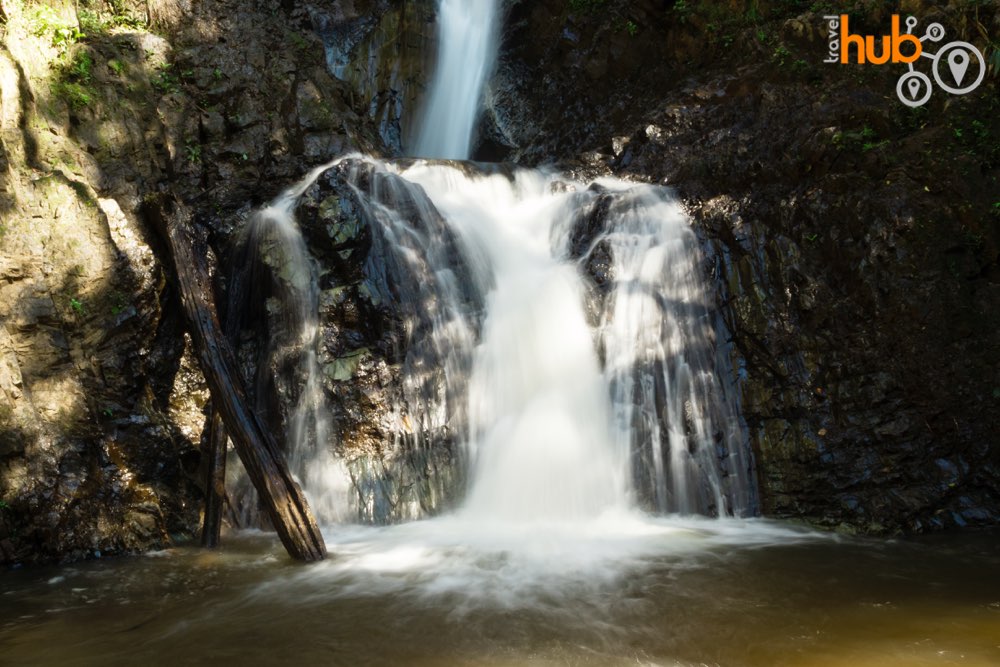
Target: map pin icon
914	86
958	63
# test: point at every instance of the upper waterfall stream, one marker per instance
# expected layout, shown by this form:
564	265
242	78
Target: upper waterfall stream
467	35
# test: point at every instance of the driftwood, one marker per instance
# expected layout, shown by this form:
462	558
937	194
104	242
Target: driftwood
215	481
281	497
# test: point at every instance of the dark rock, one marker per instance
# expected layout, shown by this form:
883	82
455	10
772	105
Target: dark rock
853	239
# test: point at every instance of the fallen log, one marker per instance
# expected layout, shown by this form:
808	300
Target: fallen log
215	481
281	497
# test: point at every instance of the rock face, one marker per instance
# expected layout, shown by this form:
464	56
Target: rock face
96	451
385	53
855	240
101	407
382	378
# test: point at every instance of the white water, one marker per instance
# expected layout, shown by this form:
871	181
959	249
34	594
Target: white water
274	231
563	567
538	408
467	35
554	433
576	406
659	336
558	438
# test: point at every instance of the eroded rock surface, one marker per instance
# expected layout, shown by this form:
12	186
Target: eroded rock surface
221	104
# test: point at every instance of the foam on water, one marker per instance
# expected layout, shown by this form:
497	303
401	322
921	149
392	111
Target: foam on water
539	565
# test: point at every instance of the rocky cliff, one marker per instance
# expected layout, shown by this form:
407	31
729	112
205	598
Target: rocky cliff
105	107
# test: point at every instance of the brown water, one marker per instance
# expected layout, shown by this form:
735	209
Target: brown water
394	597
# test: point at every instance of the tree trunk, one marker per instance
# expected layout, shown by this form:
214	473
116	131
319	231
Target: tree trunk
282	498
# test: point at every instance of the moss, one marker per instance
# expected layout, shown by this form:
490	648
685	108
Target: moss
345	368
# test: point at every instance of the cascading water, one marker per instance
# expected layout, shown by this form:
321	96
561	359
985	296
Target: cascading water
552	429
658	334
537	400
273	238
576	396
467	38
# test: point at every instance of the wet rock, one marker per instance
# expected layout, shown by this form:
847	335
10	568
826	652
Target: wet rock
841	265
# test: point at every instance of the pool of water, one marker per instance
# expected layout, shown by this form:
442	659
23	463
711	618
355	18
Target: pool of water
622	591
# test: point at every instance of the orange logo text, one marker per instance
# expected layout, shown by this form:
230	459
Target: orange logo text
846	48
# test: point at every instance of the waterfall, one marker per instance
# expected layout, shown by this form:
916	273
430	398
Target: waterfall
467	49
272	244
574	329
569	414
537	400
667	375
571	323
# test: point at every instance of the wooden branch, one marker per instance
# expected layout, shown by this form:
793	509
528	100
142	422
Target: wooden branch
282	498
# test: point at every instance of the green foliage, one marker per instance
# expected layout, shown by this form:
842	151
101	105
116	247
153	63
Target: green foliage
165	81
100	23
865	140
44	21
74	79
682	10
4	505
77	95
116	66
192	151
869	140
76	305
80	68
119	302
90	22
621	24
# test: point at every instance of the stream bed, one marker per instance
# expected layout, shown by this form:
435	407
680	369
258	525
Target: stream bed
625	590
